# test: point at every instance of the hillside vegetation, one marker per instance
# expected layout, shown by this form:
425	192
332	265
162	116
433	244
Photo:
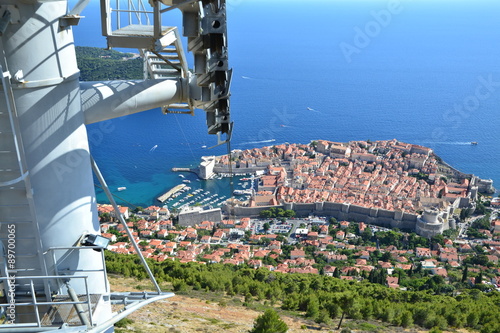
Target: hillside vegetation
97	64
323	299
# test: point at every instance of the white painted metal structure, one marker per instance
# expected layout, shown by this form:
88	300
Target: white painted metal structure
47	197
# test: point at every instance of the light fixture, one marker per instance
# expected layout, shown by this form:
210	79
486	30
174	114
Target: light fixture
96	240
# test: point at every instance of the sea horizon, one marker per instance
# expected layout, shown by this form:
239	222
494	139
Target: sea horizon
427	75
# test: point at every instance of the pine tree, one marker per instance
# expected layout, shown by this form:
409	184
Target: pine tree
406	319
346	302
269	322
312	307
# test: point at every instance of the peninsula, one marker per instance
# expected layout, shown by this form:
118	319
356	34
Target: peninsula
390	183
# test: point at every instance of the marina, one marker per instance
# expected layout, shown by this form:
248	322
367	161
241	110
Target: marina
208	194
199	197
209	197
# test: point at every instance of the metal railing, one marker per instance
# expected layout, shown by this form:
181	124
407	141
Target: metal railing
56	269
37	304
10	104
11	110
127	13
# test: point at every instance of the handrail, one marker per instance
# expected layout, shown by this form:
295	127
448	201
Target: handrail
10	103
138	12
39	277
132	11
21	158
103	270
33	297
36	303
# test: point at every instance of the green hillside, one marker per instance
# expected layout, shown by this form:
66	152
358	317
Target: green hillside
97	64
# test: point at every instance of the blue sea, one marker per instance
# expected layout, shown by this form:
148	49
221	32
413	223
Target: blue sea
423	72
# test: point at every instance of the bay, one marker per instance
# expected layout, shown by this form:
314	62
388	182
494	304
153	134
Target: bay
426	73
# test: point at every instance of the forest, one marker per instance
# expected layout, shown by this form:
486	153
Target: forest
325	299
98	64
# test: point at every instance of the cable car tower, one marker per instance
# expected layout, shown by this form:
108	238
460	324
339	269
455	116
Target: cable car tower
52	269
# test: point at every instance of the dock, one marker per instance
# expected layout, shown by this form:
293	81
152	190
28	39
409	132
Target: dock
164	197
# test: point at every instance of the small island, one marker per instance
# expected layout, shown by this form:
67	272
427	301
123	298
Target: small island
389	183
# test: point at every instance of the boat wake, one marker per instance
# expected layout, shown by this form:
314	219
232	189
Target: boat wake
272	79
313	110
254	142
153	149
453	143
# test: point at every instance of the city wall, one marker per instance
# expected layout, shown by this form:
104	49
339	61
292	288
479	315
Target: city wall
239	211
340	211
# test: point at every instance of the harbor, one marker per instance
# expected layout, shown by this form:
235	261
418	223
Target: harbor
208	194
199	197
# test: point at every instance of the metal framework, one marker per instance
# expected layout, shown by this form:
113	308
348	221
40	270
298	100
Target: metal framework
50	279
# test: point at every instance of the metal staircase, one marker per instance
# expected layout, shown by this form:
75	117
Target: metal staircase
168	63
25	279
27	287
133	25
18	226
138	24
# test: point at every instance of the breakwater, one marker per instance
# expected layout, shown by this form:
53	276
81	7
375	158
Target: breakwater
194	170
164	197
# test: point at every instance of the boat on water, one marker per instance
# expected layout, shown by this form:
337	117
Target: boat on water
187	181
474	143
122	188
182	176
